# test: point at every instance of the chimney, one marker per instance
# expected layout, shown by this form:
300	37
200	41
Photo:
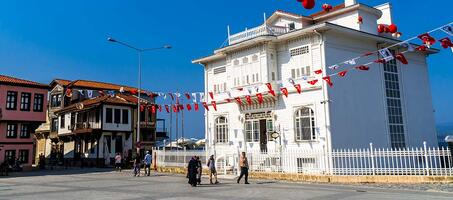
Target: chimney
349	3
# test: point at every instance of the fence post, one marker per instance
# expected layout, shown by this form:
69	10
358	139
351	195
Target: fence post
426	158
372	158
184	156
164	156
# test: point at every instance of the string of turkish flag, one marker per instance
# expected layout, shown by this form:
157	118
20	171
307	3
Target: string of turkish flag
198	98
385	56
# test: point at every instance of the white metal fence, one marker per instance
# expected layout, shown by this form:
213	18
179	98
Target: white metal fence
178	158
367	161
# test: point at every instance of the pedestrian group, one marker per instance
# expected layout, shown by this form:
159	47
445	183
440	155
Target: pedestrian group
195	170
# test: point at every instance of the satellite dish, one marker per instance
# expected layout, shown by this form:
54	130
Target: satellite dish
79	106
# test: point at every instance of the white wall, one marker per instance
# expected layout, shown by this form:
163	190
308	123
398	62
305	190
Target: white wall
65	129
420	121
113	126
358	111
386	17
283	109
285	21
357	107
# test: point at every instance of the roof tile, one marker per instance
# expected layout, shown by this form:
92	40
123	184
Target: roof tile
12	80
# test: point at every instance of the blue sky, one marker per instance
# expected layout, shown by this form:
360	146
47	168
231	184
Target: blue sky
43	40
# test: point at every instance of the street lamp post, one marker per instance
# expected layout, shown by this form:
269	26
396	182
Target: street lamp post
139	53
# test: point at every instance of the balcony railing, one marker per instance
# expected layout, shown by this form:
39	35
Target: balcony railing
147	124
255	32
86	125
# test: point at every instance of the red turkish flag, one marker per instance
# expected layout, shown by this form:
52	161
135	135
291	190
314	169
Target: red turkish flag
284	91
319	71
228	100
205	105
363	68
181	107
298	88
153	109
368	54
189	107
238	99
401	58
312	82
167	109
382	60
214	105
175	108
328	81
211	94
260	98
343	73
269	87
188	96
195	106
427	39
160	108
248	99
133	91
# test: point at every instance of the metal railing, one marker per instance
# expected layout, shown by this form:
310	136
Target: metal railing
255	32
366	161
178	158
86	125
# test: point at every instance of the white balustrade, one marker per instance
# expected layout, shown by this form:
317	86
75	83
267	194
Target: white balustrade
256	32
367	161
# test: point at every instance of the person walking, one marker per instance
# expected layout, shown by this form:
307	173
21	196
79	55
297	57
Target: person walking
212	170
244	165
137	163
192	172
199	170
118	161
147	162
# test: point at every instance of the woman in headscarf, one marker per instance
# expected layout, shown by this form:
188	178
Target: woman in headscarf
192	170
199	170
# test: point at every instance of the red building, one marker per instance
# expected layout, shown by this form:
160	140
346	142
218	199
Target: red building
23	107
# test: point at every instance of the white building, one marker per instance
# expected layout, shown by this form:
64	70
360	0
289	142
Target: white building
390	105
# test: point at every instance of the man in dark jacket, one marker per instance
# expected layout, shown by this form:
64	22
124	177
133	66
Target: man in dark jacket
192	170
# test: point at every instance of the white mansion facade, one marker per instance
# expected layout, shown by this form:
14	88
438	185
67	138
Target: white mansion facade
390	105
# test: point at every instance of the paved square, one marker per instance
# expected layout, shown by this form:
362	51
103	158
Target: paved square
106	184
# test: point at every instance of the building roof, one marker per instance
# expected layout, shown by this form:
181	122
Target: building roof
96	85
323	12
21	82
61	82
94	102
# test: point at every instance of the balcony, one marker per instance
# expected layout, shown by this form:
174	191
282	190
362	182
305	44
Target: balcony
147	125
85	127
256	32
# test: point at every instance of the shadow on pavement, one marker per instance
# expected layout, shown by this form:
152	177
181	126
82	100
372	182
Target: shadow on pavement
48	172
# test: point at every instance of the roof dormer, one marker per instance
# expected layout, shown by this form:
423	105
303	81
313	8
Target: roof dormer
291	21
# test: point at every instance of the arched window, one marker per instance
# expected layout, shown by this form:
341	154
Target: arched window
221	130
304	121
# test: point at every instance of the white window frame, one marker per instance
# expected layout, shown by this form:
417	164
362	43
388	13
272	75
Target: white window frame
298	129
252	135
221	130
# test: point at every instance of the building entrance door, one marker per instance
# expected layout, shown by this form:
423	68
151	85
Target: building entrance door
263	135
119	144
